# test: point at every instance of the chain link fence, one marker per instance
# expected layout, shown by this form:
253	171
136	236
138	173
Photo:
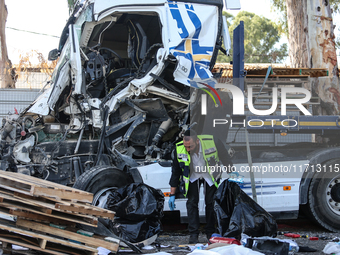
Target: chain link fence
28	78
32	80
28	85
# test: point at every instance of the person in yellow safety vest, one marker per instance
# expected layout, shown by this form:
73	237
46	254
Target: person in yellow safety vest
194	163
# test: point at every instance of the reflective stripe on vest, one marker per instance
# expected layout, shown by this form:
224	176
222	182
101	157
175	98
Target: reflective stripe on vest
183	158
210	154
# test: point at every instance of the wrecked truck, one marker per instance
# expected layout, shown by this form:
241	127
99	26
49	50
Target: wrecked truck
120	95
127	85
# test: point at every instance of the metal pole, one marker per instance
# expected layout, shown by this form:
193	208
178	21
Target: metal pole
79	140
252	178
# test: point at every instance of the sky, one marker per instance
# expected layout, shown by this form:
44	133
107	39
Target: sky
50	16
39	16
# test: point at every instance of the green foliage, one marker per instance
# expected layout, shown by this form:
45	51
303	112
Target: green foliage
281	9
70	5
335	5
260	37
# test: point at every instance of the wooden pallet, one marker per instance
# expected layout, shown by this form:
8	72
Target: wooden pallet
29	185
64	206
10	233
35	202
67	233
85	210
34	244
45	209
23	214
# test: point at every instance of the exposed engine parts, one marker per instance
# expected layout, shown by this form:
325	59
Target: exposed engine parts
119	96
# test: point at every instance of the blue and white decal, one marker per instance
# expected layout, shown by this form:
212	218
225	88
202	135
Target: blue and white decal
193	32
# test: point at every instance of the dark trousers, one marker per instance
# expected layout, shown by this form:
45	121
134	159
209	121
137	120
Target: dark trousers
192	207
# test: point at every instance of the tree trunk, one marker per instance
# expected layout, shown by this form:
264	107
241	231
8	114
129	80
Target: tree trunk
298	38
312	45
7	74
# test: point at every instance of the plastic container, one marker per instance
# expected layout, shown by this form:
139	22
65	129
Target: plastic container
292	235
216	239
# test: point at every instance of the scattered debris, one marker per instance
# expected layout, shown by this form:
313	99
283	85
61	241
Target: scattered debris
332	248
226	240
295	235
268	245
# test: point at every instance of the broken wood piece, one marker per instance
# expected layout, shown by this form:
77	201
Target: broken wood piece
12	234
90	241
34	186
26	205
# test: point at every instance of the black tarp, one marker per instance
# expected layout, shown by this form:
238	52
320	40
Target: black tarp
237	213
139	209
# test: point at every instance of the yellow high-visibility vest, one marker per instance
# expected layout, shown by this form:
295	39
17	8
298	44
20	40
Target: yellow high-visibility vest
209	151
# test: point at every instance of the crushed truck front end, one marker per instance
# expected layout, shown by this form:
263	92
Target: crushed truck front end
127	77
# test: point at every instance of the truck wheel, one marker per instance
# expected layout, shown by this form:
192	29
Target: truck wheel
324	197
101	181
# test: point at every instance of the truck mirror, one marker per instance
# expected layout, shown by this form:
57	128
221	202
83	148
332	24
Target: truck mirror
53	54
232	4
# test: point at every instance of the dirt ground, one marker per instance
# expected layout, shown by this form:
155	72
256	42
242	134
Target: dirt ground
173	237
176	235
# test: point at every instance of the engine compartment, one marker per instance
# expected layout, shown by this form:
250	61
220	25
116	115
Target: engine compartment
123	107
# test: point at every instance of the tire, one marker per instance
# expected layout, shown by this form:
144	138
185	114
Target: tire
324	196
101	181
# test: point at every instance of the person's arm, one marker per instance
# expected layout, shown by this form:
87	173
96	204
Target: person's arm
173	190
174	180
176	173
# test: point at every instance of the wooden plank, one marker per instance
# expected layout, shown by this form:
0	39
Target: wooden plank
47	207
14	186
96	242
5	211
277	76
4	245
42	243
10	226
70	195
84	209
12	202
40	218
57	215
30	185
62	206
13	240
52	200
261	69
50	248
82	219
